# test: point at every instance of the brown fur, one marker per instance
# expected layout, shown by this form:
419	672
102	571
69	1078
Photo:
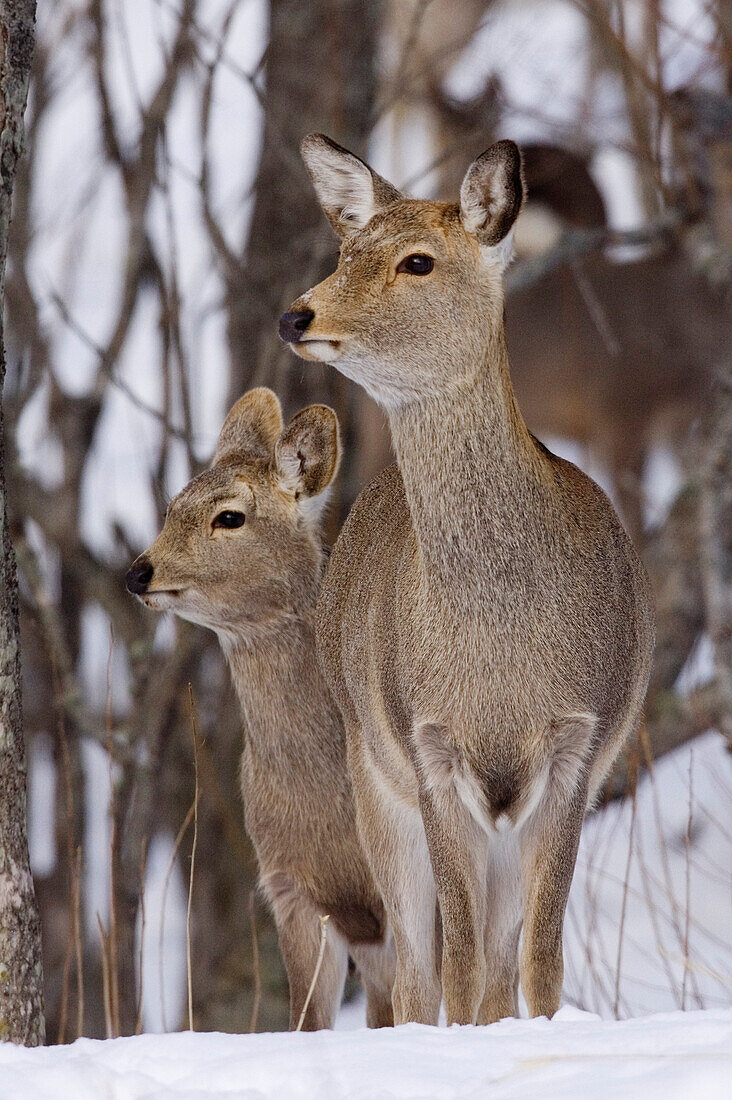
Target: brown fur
256	586
485	624
620	357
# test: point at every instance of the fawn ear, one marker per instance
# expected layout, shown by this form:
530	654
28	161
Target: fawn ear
492	193
308	452
252	427
348	190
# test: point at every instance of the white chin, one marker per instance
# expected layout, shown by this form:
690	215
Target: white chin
318	351
160	601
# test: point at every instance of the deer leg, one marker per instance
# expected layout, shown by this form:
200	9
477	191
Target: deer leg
457	847
549	843
393	838
376	965
502	931
298	931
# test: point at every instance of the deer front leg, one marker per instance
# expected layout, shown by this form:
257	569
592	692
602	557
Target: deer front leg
549	843
502	930
394	842
298	932
376	966
457	847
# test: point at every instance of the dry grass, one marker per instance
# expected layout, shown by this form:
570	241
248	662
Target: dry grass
645	928
316	972
189	968
257	977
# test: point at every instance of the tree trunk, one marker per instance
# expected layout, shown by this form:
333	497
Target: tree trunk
21	972
321	75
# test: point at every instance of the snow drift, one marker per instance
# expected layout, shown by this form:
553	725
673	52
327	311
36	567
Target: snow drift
576	1056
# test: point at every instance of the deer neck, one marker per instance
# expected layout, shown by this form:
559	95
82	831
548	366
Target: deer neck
277	680
470	468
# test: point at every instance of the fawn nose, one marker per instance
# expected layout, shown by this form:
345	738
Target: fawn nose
293	325
139	576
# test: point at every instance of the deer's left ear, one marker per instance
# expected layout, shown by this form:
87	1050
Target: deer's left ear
251	427
349	191
492	193
308	452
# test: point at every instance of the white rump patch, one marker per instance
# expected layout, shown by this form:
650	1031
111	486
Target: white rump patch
572	742
445	772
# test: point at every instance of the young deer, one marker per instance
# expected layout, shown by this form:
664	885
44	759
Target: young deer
241	553
485	624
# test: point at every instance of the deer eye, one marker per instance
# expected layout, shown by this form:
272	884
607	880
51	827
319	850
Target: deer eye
416	264
229	519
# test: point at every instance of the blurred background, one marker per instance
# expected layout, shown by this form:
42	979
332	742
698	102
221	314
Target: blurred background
162	221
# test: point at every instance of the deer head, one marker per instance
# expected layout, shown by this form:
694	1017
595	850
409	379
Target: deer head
418	291
240	547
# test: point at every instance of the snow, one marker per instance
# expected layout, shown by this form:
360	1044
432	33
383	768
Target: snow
576	1055
650	907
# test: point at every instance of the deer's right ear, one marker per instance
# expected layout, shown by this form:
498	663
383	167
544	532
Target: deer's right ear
252	427
349	191
492	193
308	452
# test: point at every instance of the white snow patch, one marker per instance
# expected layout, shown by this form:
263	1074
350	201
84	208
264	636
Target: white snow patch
699	667
659	880
97	786
681	1056
41	805
163	941
662	481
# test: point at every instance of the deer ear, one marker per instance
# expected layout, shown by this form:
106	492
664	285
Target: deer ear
252	427
492	193
308	452
348	190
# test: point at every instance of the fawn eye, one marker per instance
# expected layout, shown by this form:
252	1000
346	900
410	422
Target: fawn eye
416	264
229	519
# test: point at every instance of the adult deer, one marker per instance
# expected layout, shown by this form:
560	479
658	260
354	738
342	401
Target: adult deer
485	624
241	553
630	363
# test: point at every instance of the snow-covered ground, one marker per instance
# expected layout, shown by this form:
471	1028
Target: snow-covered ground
649	920
650	911
679	1056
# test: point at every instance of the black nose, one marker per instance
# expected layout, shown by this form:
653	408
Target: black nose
292	325
139	576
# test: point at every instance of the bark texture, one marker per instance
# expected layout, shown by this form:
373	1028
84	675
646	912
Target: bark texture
21	972
320	75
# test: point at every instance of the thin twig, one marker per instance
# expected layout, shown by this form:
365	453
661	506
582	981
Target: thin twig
577	243
71	856
235	834
143	872
68	789
687	909
253	1019
113	937
319	963
189	967
161	938
65	978
105	980
114	379
616	1004
78	945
